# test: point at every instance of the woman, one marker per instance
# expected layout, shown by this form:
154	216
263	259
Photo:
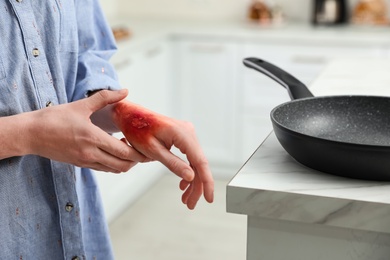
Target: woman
59	99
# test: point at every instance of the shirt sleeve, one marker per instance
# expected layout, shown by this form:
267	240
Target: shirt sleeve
96	47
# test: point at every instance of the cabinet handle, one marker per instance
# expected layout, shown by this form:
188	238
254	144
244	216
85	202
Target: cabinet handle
309	59
204	48
122	64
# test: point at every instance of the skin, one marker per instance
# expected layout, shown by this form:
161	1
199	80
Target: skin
66	133
153	135
77	133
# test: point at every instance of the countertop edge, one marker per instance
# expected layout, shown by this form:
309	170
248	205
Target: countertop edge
309	209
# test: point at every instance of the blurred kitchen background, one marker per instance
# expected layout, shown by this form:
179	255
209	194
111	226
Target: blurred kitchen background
183	58
296	11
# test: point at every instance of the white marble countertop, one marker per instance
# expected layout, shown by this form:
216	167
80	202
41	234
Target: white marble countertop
273	185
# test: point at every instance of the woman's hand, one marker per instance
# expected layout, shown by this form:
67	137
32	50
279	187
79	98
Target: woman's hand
65	133
153	135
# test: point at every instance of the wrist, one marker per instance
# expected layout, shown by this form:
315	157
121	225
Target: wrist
28	132
15	135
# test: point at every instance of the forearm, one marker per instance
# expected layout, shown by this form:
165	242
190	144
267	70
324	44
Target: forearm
65	133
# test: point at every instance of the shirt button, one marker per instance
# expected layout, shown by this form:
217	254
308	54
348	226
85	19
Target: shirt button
75	258
49	104
35	52
19	1
69	207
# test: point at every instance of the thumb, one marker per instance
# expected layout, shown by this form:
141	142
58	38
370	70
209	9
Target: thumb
103	98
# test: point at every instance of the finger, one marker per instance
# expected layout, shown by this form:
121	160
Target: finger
118	148
186	194
184	184
104	168
112	162
103	98
175	164
113	153
198	161
147	159
100	167
196	192
206	178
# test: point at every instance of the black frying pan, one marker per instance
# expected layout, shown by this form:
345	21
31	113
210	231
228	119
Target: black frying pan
347	136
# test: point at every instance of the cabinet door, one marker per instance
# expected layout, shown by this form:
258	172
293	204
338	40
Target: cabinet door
206	94
260	95
144	72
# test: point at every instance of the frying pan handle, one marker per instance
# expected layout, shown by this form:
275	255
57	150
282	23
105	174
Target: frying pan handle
295	88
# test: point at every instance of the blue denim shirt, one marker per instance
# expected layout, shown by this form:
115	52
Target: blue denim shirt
51	52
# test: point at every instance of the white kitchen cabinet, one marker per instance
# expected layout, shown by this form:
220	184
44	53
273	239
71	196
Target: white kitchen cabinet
206	84
387	52
306	60
146	74
199	77
260	95
229	104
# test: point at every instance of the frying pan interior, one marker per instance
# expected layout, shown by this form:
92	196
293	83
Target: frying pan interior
351	119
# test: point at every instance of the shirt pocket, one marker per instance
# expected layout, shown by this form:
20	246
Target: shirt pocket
68	26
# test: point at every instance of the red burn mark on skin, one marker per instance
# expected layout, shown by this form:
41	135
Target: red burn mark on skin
139	121
136	124
138	127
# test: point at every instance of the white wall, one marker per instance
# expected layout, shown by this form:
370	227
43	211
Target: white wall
297	10
208	9
205	9
188	9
